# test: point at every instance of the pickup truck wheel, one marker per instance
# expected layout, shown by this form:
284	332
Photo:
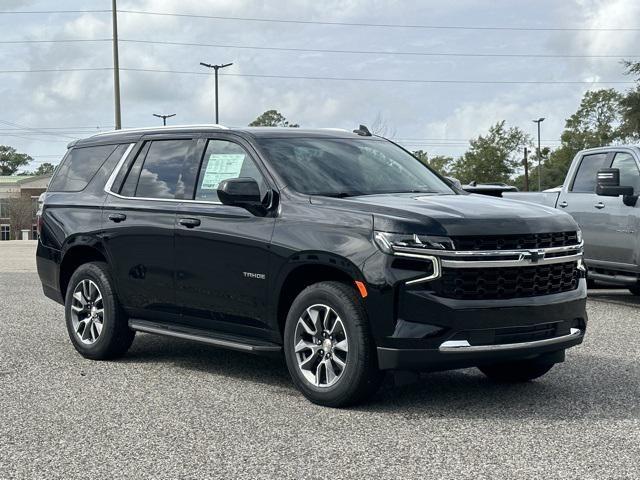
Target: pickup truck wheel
328	349
514	372
96	324
635	290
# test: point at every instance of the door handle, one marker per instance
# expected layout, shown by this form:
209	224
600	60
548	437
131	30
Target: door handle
189	222
563	204
117	217
599	205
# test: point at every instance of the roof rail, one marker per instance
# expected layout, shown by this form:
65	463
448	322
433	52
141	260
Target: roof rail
167	127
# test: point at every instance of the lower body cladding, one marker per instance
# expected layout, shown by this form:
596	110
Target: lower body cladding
435	333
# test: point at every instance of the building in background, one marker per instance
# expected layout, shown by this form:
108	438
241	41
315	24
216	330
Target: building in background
19	204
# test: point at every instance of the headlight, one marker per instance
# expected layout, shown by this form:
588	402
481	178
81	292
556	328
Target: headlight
579	234
388	242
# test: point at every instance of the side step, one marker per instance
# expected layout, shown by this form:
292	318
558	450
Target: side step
223	340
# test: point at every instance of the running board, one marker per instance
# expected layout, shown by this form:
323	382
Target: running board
231	342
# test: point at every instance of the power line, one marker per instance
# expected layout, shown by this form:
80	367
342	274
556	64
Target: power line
347	24
380	25
348	79
327	50
11	124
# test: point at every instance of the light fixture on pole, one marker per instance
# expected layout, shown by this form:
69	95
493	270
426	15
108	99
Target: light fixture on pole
216	68
539	121
164	117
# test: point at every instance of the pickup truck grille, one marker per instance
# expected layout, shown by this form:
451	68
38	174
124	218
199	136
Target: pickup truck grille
506	282
515	242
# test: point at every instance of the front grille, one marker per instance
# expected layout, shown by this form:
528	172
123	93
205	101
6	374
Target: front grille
506	282
515	242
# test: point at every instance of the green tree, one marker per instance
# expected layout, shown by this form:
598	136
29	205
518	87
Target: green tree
11	160
440	163
597	122
493	157
45	169
630	105
272	118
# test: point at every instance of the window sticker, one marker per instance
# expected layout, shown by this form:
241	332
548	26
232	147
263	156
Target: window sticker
220	167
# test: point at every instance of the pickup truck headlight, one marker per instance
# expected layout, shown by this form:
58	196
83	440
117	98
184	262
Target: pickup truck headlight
579	235
388	241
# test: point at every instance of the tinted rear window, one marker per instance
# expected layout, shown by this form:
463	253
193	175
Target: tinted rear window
161	174
79	167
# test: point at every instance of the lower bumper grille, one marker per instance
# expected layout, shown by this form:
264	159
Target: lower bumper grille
507	282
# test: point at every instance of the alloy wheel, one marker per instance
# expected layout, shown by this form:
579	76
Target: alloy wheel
321	345
87	311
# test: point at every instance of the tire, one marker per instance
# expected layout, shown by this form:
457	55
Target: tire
515	372
635	290
346	377
97	328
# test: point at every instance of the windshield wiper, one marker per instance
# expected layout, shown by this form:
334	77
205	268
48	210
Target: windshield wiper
336	194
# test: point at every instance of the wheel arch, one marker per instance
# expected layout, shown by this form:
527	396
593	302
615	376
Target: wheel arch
307	269
73	257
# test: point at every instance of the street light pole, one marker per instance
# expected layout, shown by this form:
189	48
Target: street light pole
216	68
539	121
116	66
164	117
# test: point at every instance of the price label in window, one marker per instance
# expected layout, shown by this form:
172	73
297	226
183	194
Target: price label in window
220	167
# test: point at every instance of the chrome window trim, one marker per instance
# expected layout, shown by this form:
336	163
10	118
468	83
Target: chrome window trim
463	346
109	185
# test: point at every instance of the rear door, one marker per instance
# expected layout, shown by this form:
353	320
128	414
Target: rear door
139	225
580	200
222	252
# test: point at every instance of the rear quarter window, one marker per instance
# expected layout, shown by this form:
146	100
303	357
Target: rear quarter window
78	168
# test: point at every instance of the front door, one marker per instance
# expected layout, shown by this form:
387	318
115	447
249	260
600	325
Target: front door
222	252
580	200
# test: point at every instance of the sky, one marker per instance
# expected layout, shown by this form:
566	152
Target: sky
426	101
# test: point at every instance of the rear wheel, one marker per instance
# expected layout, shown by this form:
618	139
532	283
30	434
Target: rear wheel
514	372
96	324
635	289
329	351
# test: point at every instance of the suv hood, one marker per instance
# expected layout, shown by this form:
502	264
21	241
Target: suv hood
455	214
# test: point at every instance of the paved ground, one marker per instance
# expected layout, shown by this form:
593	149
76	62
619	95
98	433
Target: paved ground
172	409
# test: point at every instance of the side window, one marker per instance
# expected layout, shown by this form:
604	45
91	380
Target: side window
585	179
223	160
157	171
629	173
78	168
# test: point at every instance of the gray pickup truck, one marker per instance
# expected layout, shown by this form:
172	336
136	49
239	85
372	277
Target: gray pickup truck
601	192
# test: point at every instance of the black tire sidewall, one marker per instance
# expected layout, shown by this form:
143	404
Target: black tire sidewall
353	321
97	273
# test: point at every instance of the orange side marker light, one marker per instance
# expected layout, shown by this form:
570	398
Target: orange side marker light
362	289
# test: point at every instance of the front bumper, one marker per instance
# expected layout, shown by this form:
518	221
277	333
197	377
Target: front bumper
433	333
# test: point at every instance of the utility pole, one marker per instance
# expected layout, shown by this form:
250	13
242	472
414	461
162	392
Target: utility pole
164	117
526	169
539	121
216	68
116	66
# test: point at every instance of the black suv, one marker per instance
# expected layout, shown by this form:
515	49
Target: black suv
340	249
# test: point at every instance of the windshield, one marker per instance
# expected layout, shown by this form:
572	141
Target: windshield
346	167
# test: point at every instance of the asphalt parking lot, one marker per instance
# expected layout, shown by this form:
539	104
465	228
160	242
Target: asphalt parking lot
172	409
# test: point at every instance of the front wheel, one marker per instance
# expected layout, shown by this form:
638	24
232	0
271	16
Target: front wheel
329	351
515	372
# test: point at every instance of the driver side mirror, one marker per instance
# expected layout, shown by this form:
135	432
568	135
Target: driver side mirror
241	192
608	185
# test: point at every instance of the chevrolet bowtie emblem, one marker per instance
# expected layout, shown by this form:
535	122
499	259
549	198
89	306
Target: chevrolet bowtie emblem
534	256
